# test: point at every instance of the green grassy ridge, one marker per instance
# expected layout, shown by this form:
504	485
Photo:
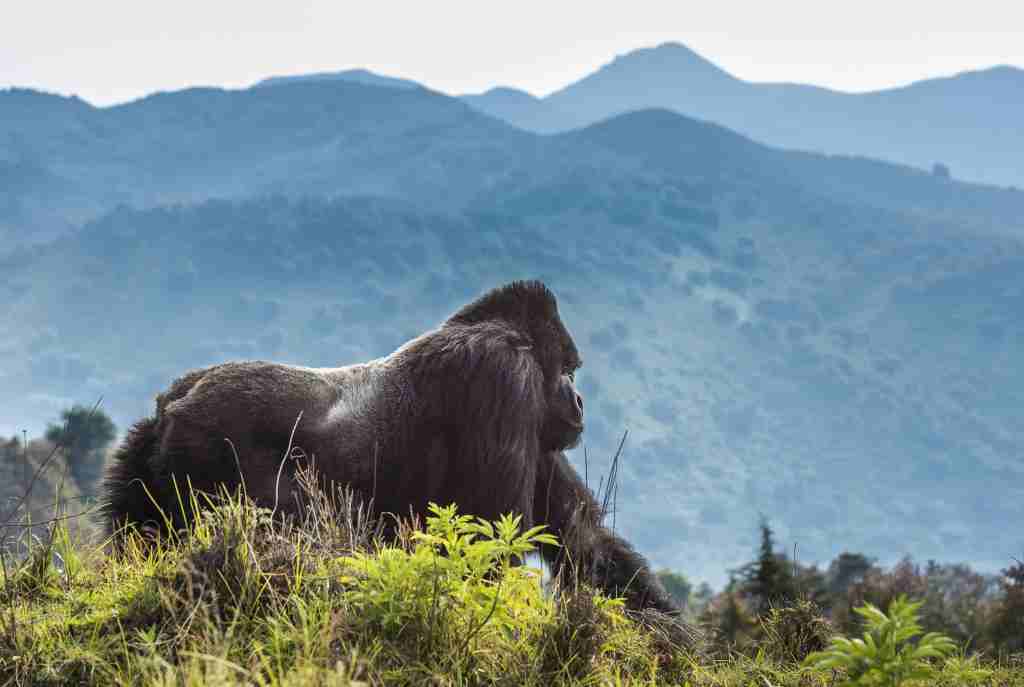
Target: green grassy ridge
248	600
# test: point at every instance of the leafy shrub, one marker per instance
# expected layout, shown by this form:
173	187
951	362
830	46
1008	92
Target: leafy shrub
459	580
886	657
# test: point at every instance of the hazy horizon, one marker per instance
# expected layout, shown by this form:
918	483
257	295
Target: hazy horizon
108	54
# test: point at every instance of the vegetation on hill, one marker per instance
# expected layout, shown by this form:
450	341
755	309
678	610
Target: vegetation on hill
982	613
246	599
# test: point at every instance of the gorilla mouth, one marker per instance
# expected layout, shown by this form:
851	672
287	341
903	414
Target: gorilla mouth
574	423
563	432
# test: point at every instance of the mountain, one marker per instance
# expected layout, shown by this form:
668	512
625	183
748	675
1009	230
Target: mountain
511	104
297	137
831	341
361	76
66	162
970	122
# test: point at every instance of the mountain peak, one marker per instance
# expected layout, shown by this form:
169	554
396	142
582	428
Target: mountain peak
509	92
667	57
673	49
997	74
511	96
362	76
669	75
643	76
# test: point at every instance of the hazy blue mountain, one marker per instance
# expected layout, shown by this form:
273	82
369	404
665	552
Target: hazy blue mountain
73	162
970	122
513	105
831	341
323	137
362	76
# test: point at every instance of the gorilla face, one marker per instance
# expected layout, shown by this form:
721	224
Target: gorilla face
563	425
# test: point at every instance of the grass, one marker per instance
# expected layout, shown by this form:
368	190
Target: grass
246	599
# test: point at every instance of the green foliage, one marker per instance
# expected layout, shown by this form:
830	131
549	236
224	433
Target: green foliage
963	670
246	599
886	656
459	580
84	433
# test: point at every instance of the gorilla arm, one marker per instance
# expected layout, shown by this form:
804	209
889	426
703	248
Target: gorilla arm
588	548
486	384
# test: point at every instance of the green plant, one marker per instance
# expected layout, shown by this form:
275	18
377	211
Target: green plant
886	656
962	670
459	578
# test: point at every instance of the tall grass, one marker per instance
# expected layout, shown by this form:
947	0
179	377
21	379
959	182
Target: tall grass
244	598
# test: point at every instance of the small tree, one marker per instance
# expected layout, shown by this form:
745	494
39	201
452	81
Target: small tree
1008	625
677	585
728	621
846	570
85	434
768	580
700	598
958	602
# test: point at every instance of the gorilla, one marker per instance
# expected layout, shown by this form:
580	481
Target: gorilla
476	412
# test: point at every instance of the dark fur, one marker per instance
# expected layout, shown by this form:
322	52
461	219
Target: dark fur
591	551
475	412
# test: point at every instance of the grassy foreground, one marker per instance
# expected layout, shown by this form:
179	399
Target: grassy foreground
247	600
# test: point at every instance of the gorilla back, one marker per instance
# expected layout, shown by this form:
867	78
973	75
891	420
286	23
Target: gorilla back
459	414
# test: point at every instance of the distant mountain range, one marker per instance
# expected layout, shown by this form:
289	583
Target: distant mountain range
967	125
972	122
63	161
831	341
362	76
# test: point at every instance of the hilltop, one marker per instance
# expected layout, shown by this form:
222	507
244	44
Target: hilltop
969	121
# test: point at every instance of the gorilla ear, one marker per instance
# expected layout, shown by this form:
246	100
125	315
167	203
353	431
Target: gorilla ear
519	301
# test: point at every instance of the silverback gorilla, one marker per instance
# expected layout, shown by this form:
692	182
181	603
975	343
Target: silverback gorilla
476	412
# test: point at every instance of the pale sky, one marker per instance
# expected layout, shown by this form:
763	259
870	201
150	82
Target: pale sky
109	51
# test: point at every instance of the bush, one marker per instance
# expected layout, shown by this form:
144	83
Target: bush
459	581
886	657
790	633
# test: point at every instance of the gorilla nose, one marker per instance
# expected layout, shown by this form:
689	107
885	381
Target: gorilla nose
579	404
